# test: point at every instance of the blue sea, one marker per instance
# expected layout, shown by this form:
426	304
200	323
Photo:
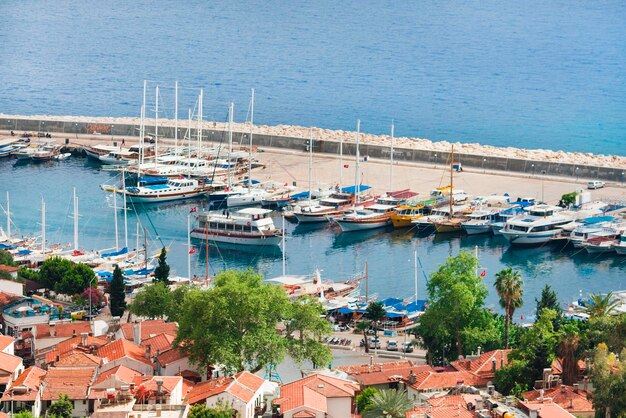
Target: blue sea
530	74
388	253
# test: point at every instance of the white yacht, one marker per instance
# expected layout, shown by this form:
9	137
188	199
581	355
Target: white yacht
539	225
174	189
480	221
249	226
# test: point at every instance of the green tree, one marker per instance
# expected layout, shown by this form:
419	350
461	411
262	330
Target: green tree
456	310
220	410
549	300
6	258
234	323
26	273
116	291
162	270
23	414
375	311
569	199
151	301
601	305
307	320
176	301
388	404
509	286
53	271
363	326
610	330
512	379
608	378
364	399
76	280
61	408
567	349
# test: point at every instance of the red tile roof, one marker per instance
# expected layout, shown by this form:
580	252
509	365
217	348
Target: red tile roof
565	397
9	362
122	373
170	356
6	298
149	383
382	373
79	359
483	365
72	345
42	330
8	269
243	385
30	378
159	343
5	341
443	380
313	392
546	409
123	348
71	329
73	381
150	329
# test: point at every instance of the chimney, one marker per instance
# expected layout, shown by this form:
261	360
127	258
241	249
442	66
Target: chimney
83	338
369	367
412	378
532	413
540	395
576	387
479	403
478	353
493	365
148	351
74	332
563	389
137	333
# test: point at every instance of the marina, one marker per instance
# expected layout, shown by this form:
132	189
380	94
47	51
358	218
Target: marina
386	249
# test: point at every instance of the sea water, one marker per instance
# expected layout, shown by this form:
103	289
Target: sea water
388	253
530	74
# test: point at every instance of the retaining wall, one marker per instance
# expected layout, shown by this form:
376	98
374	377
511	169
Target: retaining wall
529	167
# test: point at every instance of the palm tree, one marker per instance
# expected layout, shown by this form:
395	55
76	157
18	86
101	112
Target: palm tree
509	286
375	312
388	404
363	326
569	341
599	306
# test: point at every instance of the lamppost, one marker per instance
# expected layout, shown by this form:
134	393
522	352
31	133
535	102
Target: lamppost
532	170
576	173
435	160
484	161
76	131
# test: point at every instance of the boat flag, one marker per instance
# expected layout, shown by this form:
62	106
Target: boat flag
346	165
194	209
484	273
192	251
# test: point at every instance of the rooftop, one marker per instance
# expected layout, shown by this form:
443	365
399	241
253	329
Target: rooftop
31	379
5	341
72	381
123	348
8	269
150	329
382	373
567	397
243	385
313	391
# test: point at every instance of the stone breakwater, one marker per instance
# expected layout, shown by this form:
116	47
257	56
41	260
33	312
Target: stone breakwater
537	161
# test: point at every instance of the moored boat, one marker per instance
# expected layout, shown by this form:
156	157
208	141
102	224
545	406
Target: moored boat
249	226
537	226
174	189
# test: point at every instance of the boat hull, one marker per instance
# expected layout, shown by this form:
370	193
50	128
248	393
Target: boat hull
404	221
476	229
350	226
517	238
315	217
236	239
620	249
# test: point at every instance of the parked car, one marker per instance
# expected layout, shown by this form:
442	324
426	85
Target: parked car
392	345
374	342
595	184
407	347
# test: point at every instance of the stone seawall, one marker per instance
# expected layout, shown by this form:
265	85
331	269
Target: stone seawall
526	166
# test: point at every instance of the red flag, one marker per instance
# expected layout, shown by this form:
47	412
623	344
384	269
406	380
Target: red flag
192	251
484	273
346	165
193	210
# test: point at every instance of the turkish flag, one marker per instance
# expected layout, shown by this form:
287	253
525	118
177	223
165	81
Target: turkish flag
193	210
192	251
484	273
346	165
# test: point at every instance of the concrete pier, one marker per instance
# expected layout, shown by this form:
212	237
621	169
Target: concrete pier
71	129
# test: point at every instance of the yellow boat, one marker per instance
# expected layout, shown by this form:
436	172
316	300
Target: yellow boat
404	214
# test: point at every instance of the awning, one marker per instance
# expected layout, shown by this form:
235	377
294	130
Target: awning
353	189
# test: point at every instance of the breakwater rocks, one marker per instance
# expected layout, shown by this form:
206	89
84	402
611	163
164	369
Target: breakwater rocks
531	162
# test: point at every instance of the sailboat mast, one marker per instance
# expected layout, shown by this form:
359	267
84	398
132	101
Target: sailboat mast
176	118
451	182
340	162
415	272
284	250
8	218
251	128
310	161
142	122
367	283
356	168
189	138
145	251
391	159
156	127
117	240
75	201
231	109
43	226
199	137
124	207
189	246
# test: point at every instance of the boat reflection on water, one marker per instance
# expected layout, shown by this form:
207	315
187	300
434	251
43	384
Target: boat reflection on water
358	237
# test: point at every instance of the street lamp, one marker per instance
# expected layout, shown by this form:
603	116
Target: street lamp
484	161
76	131
435	160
